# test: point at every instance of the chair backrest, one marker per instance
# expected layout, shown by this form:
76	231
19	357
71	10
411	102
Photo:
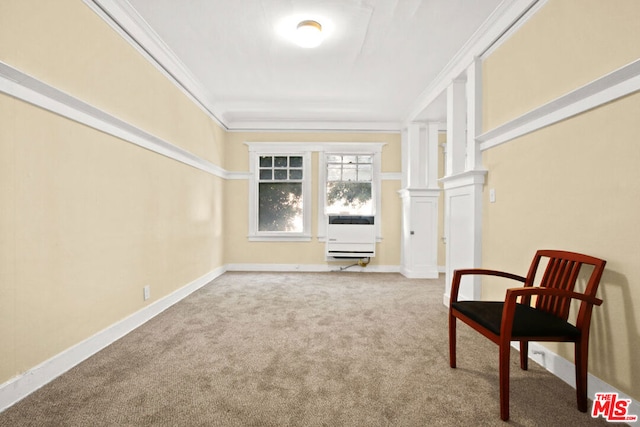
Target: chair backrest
562	272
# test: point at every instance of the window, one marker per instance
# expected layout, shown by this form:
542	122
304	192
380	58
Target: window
280	193
280	198
347	176
349	184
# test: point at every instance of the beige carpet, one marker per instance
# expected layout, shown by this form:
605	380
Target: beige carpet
299	349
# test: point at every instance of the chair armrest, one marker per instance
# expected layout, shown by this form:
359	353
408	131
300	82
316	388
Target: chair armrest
457	276
514	293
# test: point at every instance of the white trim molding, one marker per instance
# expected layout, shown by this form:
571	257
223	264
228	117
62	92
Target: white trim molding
128	23
334	266
374	149
566	371
526	14
463	229
21	86
314	126
258	147
504	17
19	387
621	82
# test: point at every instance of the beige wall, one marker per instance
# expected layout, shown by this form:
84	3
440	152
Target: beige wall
239	250
87	219
573	185
565	45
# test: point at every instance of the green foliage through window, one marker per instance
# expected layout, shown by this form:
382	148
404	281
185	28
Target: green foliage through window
349	187
280	207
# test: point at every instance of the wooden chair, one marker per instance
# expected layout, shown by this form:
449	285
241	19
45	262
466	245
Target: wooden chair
544	319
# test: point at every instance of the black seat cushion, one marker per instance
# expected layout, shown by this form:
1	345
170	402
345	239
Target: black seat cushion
527	322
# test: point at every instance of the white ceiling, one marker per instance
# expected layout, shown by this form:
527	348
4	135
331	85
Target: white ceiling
378	58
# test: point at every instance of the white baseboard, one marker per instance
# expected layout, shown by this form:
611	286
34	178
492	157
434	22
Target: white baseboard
446	299
315	268
421	273
565	370
21	386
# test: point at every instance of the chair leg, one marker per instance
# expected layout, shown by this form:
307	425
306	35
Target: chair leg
452	340
524	355
581	356
504	380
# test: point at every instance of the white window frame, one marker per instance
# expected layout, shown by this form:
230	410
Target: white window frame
375	150
279	149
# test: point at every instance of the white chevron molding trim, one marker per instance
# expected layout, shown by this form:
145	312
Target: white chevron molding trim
18	388
19	85
621	82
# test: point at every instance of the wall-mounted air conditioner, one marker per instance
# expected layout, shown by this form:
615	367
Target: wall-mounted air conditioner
350	236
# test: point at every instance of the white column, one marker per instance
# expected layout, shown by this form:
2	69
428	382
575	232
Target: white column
433	129
463	182
456	127
416	164
420	201
474	115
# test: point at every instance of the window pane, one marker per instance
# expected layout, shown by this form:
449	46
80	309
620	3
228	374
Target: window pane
280	174
349	173
280	161
334	172
364	159
332	158
352	198
265	174
295	174
280	207
295	161
265	161
364	172
349	159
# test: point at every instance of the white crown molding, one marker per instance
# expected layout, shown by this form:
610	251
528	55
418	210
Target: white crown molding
314	126
18	388
524	17
498	23
19	85
126	21
621	82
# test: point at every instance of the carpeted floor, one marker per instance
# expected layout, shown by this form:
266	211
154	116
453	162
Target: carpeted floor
299	349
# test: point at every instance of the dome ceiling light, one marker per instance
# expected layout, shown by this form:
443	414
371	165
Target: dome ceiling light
308	34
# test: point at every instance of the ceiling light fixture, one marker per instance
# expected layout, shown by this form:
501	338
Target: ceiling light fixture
309	33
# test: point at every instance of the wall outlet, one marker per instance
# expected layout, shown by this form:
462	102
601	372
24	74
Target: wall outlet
146	292
492	195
